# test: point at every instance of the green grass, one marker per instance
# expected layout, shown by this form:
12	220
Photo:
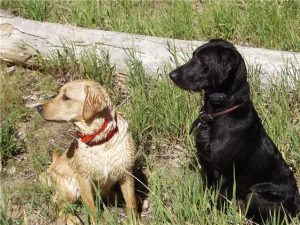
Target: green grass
12	112
162	108
158	112
159	116
271	24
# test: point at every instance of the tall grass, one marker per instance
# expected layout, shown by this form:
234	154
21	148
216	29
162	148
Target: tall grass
159	112
162	108
271	24
11	113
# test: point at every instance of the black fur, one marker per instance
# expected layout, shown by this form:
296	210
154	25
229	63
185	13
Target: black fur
236	143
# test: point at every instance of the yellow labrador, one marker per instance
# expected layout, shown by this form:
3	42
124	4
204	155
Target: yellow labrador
104	154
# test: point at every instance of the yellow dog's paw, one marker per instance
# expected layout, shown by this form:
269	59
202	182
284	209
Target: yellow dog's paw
72	220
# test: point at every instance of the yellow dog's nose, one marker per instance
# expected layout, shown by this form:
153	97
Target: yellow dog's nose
39	108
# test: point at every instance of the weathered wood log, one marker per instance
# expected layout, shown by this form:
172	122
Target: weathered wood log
19	37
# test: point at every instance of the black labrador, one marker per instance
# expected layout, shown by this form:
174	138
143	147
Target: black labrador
231	141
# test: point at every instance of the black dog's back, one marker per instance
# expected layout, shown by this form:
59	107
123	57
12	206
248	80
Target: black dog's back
230	138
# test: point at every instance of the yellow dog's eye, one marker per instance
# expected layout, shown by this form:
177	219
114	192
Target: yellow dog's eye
65	98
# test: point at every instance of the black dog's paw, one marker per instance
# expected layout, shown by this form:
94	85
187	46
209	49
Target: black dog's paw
218	99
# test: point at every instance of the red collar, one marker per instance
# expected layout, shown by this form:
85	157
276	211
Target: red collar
87	139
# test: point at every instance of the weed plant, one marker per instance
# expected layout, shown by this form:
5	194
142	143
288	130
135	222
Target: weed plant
271	24
159	116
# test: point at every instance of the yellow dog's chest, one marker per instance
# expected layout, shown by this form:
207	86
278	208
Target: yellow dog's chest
102	164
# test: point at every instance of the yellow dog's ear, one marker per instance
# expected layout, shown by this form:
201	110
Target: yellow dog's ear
94	102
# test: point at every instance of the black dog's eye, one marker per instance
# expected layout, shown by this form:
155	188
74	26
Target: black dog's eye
65	98
200	57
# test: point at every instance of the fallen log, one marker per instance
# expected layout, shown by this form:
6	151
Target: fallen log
20	37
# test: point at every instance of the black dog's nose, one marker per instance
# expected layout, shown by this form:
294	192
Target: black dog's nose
173	76
39	108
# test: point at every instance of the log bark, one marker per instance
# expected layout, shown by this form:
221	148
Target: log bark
20	37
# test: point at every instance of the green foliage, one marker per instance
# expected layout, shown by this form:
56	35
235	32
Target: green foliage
157	109
191	203
11	113
9	145
99	69
158	113
271	24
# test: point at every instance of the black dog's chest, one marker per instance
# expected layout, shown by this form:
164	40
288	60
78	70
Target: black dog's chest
202	135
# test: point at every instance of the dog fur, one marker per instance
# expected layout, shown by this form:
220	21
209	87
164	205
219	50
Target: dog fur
74	173
235	146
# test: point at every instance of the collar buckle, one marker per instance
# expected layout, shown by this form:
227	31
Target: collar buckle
206	117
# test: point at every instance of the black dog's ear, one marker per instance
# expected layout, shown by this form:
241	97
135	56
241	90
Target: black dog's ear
227	57
228	61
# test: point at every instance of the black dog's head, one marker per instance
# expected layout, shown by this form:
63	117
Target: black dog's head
216	67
